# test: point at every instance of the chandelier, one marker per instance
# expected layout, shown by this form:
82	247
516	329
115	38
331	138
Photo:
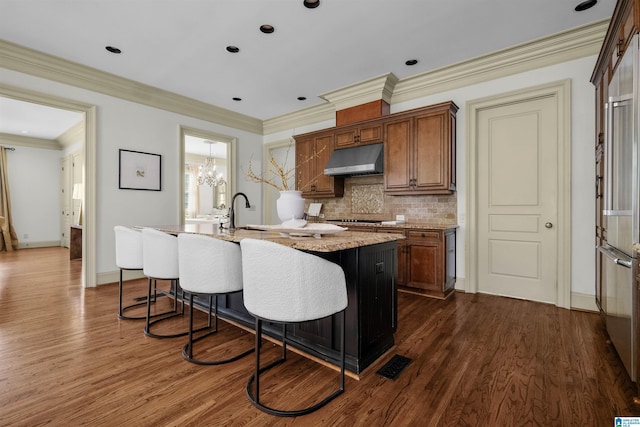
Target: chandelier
208	174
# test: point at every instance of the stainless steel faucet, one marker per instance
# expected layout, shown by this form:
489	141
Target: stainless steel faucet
232	215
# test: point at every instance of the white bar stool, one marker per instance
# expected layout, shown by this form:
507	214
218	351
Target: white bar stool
211	267
284	285
160	262
128	257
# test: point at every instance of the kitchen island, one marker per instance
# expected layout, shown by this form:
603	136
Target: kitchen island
369	264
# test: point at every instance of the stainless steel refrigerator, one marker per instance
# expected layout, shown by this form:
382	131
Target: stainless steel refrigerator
620	207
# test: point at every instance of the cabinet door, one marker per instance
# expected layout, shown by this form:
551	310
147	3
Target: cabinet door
425	266
432	162
346	138
312	155
370	134
398	153
377	299
65	200
449	261
304	166
323	184
362	135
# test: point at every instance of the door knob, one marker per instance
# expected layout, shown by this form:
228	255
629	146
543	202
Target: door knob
548	225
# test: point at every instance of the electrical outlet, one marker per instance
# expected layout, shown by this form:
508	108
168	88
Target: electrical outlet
25	236
399	217
321	215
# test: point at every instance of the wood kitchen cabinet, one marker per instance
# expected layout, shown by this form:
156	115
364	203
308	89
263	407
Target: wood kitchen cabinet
313	151
431	262
420	152
352	136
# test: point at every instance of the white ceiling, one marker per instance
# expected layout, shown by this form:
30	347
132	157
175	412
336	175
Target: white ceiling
179	45
35	120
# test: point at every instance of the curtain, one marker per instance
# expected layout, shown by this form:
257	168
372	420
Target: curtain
9	237
193	192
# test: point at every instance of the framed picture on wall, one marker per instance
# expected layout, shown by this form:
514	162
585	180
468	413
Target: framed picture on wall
139	171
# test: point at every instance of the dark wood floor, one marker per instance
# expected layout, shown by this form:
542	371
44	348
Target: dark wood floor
478	360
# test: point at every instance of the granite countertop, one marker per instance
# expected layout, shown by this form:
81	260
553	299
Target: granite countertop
327	243
400	225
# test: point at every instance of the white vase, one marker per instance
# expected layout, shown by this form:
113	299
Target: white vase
290	205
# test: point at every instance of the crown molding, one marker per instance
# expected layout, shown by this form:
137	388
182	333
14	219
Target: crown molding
300	118
72	135
562	47
28	141
555	49
29	61
373	89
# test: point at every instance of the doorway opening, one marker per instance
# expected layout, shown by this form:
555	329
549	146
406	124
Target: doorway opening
88	176
207	176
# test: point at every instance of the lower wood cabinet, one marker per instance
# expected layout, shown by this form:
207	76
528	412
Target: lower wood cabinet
430	262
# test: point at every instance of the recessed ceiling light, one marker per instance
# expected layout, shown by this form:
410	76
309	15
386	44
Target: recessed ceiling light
411	62
587	4
302	98
233	49
113	49
311	4
24	131
235	98
267	29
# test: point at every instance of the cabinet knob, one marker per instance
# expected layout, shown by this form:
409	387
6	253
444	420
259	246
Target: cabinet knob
548	225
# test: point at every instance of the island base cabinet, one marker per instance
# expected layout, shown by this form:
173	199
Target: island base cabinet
371	315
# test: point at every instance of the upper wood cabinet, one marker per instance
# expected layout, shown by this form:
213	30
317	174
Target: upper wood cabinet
420	151
312	154
358	135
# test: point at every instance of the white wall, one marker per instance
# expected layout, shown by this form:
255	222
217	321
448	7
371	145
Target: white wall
34	183
123	124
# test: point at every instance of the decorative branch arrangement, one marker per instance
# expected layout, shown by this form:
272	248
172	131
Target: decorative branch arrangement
277	176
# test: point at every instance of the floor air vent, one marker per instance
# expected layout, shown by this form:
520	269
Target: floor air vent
393	367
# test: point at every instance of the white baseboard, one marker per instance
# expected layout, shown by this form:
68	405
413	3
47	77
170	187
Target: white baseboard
30	245
584	302
579	301
114	276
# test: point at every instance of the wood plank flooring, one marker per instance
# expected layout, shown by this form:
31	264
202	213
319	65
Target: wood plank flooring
478	360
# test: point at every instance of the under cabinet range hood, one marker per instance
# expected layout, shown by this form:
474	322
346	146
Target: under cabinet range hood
361	160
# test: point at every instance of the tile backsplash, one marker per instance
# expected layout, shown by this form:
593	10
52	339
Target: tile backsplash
364	198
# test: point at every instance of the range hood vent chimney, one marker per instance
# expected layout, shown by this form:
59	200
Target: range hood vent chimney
361	160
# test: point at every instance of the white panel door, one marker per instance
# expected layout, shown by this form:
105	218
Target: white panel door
517	199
